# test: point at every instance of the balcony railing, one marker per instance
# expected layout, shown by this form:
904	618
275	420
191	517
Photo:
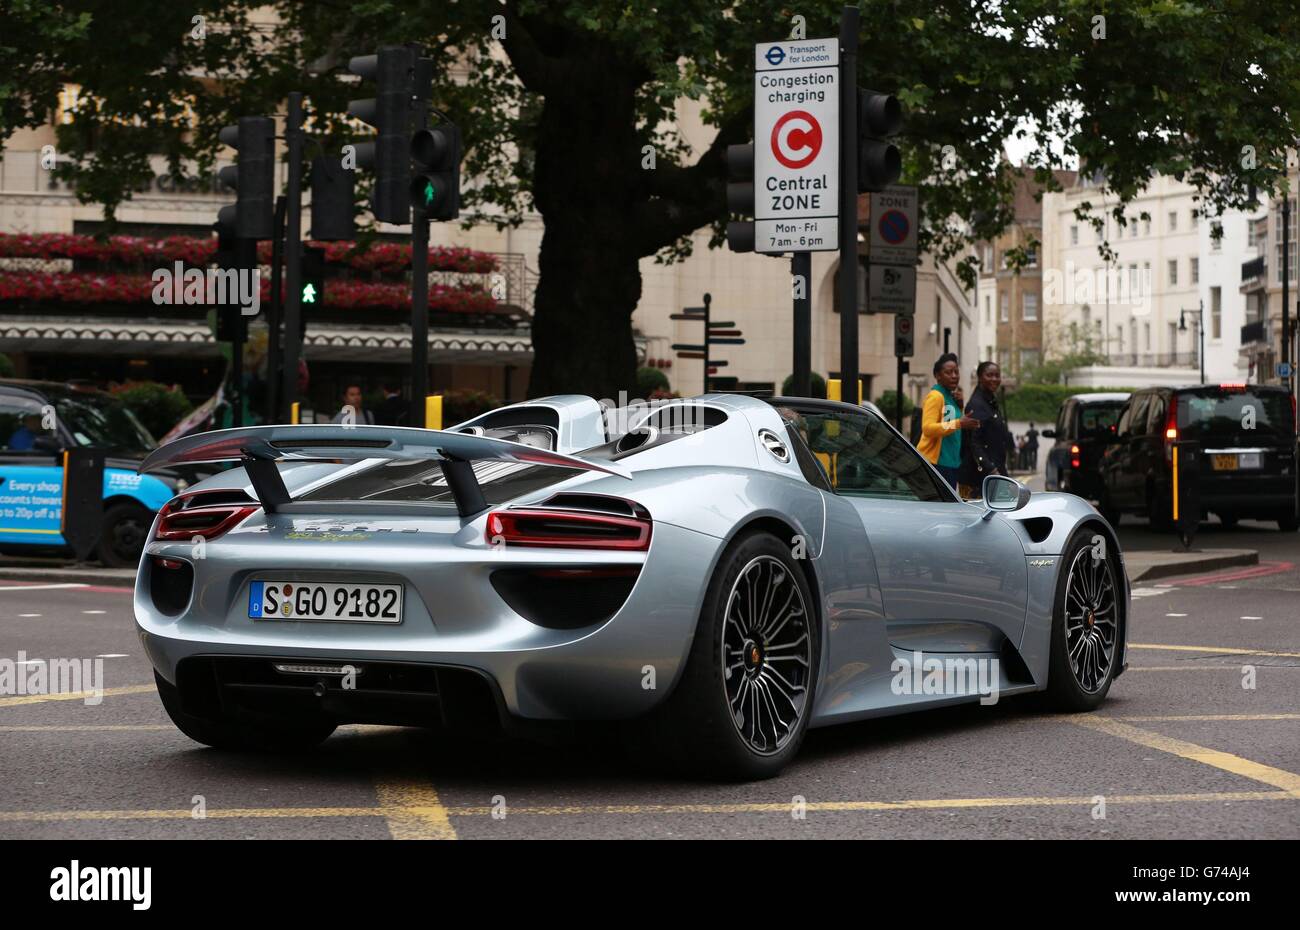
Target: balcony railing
1252	332
1153	359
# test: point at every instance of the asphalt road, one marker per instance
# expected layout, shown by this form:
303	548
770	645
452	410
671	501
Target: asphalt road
1182	748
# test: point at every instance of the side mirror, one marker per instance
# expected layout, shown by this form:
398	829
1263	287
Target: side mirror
1003	495
1049	434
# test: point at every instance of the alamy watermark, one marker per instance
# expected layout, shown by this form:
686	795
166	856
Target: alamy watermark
917	674
179	285
1112	285
24	676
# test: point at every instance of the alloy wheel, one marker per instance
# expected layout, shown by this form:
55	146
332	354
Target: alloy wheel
1091	620
766	654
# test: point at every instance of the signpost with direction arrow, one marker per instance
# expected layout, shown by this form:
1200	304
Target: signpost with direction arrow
716	332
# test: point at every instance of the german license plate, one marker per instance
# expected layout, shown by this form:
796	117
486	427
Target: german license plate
293	600
1225	463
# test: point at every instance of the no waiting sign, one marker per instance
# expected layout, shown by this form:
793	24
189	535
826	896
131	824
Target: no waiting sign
796	146
893	225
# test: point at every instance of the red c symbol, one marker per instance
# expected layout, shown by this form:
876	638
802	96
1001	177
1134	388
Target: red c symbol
798	144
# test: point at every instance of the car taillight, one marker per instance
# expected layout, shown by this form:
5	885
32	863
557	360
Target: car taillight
175	521
1074	456
1171	429
567	529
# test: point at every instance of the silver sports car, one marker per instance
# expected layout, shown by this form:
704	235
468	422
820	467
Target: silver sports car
720	573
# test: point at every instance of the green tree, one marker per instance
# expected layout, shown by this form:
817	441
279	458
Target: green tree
569	107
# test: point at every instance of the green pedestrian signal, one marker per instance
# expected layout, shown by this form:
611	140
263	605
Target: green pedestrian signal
430	194
309	293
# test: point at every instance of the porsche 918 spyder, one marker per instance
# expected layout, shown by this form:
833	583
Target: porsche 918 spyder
719	573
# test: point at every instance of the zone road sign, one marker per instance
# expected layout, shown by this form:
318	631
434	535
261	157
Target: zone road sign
796	146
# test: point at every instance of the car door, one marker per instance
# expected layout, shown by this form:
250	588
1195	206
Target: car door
950	580
1058	457
31	479
1128	481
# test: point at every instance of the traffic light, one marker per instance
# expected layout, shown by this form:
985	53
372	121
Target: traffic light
740	197
232	252
393	69
313	277
313	283
880	116
435	179
331	200
253	177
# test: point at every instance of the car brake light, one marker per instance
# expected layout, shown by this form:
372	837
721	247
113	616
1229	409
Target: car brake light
567	529
1171	429
1074	456
180	522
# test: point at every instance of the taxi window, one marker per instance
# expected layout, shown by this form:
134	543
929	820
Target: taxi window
22	420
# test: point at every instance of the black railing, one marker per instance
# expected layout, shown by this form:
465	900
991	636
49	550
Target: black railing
1252	332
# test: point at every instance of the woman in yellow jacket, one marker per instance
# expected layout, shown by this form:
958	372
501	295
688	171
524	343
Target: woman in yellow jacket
942	420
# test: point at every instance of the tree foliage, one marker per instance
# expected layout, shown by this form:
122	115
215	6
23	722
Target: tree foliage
563	103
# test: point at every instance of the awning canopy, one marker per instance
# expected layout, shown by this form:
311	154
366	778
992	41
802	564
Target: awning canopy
192	339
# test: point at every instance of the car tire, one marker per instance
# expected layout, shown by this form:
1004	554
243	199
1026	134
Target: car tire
1160	511
238	734
701	729
122	538
1289	524
1074	687
1228	519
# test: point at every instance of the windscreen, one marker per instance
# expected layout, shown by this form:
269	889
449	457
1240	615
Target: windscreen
1240	416
1099	419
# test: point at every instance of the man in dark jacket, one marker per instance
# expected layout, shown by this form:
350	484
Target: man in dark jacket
985	450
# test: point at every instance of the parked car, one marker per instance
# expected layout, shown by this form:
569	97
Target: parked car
40	419
1085	426
1247	434
768	562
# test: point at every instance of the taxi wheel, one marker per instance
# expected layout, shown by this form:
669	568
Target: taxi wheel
122	537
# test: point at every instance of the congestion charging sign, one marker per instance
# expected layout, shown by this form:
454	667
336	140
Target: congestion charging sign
797	146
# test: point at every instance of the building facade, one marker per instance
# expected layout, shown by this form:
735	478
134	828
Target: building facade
1138	313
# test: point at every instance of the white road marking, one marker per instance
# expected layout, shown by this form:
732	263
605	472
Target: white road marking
42	587
1252	618
1150	592
29	615
1175	615
94	611
1226	587
113	655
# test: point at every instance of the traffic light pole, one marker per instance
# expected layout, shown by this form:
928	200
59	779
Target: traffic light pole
801	272
848	277
292	258
419	315
274	313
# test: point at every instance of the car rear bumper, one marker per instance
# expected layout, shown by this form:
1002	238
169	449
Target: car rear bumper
454	619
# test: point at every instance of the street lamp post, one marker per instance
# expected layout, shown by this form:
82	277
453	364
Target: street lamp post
1200	330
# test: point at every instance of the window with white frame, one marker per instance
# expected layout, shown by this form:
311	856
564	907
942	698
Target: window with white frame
1173	220
1195	271
1004	308
1216	313
1146	336
1074	235
1029	305
1173	272
988	309
1216	236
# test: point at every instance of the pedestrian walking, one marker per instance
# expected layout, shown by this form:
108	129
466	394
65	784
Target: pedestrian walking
987	447
942	421
353	412
1031	446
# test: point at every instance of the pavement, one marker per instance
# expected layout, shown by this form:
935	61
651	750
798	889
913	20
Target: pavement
1200	738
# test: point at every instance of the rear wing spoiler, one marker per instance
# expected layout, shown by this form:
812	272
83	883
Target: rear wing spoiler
259	448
